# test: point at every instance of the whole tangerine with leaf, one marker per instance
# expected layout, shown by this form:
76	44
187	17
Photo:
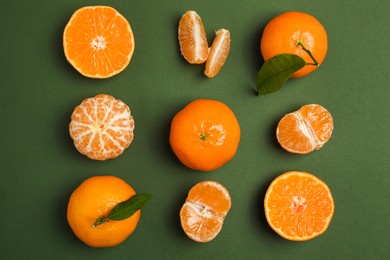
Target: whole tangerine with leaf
298	206
103	211
293	45
205	134
98	41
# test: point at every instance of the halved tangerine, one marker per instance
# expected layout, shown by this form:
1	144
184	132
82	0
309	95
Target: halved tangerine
98	41
204	211
298	206
102	127
305	130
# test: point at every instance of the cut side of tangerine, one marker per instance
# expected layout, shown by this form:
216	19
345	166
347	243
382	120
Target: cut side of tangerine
298	206
98	41
204	211
219	52
102	127
192	38
305	130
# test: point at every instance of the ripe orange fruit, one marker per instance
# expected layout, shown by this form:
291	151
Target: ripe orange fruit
98	41
101	127
219	52
95	197
192	38
305	130
205	134
283	33
298	206
204	211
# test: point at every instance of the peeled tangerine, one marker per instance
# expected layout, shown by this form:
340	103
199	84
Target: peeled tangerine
305	130
204	211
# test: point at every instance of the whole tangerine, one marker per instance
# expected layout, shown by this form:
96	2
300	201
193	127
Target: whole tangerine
94	198
205	134
292	32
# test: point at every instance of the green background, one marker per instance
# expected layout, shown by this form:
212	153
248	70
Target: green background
40	167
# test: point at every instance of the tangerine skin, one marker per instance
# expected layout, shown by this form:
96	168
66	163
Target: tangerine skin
282	33
205	134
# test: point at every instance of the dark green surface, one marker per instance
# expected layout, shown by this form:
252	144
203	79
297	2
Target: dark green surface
40	166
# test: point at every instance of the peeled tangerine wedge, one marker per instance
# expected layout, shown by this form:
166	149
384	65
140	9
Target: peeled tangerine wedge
204	211
192	38
219	52
305	130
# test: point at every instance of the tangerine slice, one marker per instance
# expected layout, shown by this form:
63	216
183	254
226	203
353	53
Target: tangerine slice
98	41
298	206
204	211
305	130
219	52
102	127
192	38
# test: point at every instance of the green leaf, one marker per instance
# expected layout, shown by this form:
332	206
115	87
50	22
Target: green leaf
275	71
127	208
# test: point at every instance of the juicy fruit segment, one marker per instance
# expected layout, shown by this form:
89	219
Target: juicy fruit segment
205	134
298	206
94	197
219	52
283	32
305	130
204	211
192	38
98	41
102	127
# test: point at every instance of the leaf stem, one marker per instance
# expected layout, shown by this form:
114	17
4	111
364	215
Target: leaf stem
315	63
99	221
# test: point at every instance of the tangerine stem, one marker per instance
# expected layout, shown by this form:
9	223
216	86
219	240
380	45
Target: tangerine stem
203	136
299	42
99	221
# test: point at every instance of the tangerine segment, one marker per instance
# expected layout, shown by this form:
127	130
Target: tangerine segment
192	38
283	32
219	52
96	197
102	127
204	211
305	130
98	41
298	206
205	134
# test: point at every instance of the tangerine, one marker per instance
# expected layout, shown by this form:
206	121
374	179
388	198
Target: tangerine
305	130
204	211
96	197
205	134
102	127
298	206
219	52
291	32
192	38
98	41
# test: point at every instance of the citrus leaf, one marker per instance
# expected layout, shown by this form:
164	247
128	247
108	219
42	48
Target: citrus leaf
275	71
127	208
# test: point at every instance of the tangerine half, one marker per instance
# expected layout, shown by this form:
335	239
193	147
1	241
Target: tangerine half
204	211
283	33
305	130
298	206
98	41
205	134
